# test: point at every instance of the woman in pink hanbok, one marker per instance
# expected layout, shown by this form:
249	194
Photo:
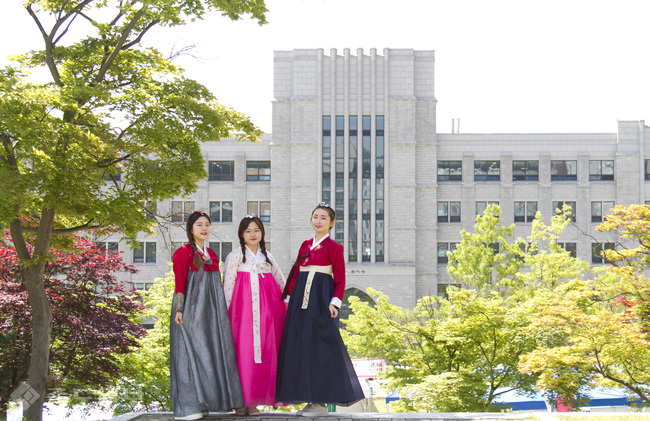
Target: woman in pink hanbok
253	285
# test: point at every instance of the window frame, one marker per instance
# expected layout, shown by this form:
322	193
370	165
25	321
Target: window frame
487	176
599	176
447	216
142	254
222	175
527	218
528	174
253	171
568	176
597	219
557	204
446	167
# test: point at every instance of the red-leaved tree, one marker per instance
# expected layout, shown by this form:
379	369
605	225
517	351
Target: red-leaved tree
93	319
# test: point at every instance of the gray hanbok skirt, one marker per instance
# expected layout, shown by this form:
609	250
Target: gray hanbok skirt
203	366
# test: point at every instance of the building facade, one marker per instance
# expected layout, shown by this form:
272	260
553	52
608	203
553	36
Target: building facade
359	132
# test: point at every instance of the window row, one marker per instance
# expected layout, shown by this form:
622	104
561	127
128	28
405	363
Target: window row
225	171
449	212
220	211
146	251
561	170
596	250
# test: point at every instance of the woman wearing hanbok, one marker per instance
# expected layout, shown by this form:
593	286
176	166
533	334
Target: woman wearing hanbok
314	365
203	369
253	286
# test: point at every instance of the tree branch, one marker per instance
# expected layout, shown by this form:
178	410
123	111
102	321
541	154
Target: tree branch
139	38
118	47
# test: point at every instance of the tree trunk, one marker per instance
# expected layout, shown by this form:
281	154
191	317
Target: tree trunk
3	415
41	332
34	268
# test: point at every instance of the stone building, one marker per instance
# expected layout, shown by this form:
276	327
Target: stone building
359	132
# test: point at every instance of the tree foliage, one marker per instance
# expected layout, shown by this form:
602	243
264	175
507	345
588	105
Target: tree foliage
145	385
107	129
459	353
604	321
92	315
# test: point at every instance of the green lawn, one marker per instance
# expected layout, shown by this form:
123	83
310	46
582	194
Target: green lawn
612	417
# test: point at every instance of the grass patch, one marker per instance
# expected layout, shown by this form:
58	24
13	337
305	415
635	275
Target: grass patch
612	417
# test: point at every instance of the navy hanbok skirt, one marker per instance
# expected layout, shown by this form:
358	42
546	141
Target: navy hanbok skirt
314	365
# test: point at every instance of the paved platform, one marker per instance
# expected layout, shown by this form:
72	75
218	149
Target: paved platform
336	416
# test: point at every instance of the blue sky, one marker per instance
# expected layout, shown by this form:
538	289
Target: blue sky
514	66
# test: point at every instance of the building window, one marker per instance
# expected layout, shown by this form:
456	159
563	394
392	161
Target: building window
557	206
599	210
525	170
442	290
443	248
108	246
149	209
339	177
450	170
487	170
145	253
597	251
222	249
525	211
182	210
261	209
379	188
221	211
221	171
570	247
564	170
258	170
448	212
601	170
353	188
326	152
482	206
647	169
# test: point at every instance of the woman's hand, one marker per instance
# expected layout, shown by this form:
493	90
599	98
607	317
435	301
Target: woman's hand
334	311
179	318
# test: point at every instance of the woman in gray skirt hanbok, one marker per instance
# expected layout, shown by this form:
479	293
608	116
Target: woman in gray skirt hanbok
203	368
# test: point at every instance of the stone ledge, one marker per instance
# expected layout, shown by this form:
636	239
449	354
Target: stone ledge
333	416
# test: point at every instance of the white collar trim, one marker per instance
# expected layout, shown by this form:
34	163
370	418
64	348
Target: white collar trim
314	243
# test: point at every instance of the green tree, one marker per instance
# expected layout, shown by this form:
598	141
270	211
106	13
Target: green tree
114	128
604	321
460	353
147	386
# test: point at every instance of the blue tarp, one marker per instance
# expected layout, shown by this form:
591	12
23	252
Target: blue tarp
521	402
597	397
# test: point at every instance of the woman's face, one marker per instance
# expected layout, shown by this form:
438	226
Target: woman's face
252	235
321	222
201	229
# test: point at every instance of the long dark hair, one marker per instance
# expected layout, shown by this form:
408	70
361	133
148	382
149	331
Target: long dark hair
243	225
188	228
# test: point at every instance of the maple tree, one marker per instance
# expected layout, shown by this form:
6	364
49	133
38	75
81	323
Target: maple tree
106	130
92	316
461	352
604	322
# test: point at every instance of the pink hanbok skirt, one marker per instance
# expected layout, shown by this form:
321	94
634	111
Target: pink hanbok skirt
257	379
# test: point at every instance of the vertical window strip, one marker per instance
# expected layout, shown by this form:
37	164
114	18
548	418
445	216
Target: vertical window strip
353	189
327	157
379	188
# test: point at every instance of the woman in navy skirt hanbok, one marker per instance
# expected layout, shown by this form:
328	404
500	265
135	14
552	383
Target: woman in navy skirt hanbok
314	365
